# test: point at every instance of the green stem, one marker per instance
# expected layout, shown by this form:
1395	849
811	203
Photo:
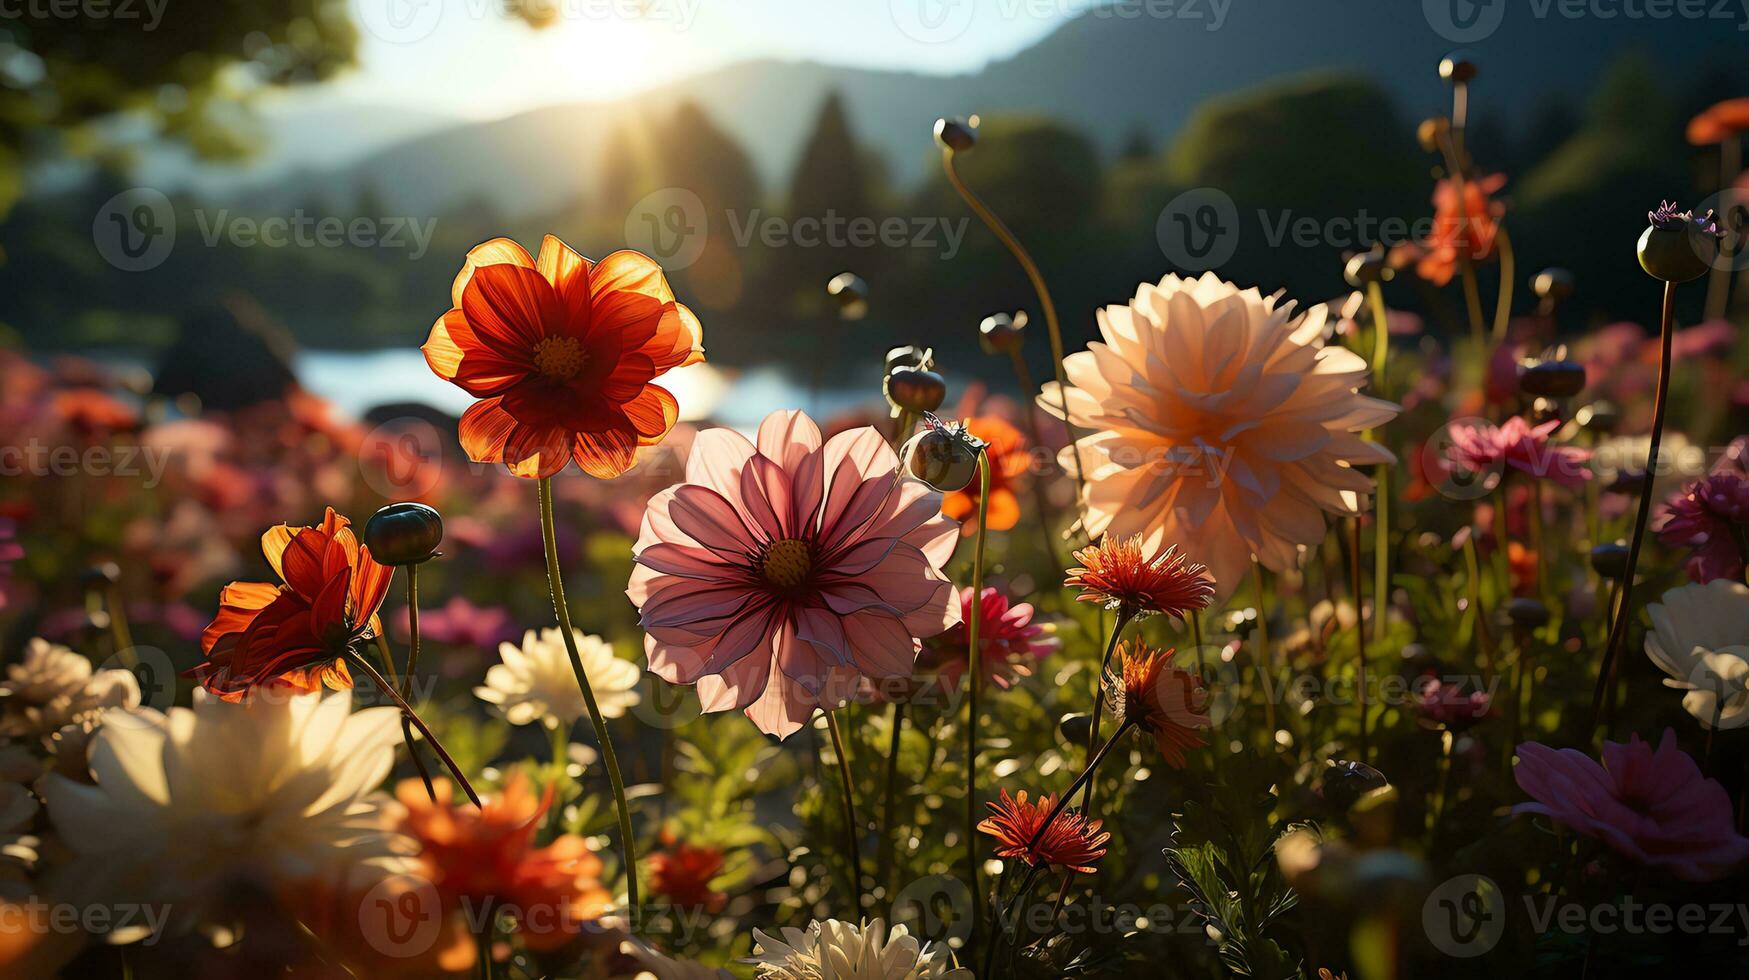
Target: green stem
1124	615
852	830
889	828
1359	635
1618	629
973	678
419	723
1264	664
1196	640
413	665
406	726
556	585
1381	593
1081	780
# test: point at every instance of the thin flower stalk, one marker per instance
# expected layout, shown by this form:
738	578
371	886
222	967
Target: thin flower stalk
1381	347
974	677
419	723
852	829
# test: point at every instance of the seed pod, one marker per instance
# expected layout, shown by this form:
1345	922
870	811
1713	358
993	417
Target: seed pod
1001	333
1553	286
915	389
1610	560
1526	613
1552	379
852	294
1458	68
945	459
1367	268
955	134
406	533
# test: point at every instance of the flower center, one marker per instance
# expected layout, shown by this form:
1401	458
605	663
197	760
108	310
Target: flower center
787	563
558	357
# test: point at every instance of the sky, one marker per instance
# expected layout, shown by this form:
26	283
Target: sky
467	58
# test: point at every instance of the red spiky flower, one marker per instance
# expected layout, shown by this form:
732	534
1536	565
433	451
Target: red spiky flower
1120	575
1071	841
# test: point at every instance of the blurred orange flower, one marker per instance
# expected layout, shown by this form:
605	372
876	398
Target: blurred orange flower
1471	227
485	859
562	351
1008	461
295	634
682	874
1726	120
1162	700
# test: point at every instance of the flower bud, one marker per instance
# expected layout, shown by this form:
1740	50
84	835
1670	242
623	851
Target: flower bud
1526	613
1001	333
955	134
1367	268
943	456
406	533
909	355
852	294
1457	68
1610	560
1553	286
1552	379
1075	728
1677	246
915	389
1344	783
100	576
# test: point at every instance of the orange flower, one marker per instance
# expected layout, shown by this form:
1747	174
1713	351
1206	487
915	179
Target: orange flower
295	634
1724	121
1008	460
562	352
1165	701
1119	575
484	859
682	874
1471	227
1072	841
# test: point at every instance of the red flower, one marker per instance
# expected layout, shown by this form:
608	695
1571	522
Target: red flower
1006	449
1072	841
682	874
1119	575
562	350
485	858
296	634
1009	641
1164	701
1471	227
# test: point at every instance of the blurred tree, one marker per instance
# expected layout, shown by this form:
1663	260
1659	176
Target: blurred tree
832	180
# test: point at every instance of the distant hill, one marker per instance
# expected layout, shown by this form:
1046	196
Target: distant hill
1108	75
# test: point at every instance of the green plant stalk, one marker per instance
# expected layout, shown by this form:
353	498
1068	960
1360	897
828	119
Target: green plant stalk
973	677
1264	665
1508	270
1039	499
412	665
419	723
556	586
1081	780
406	726
1027	265
1124	616
889	843
852	831
1381	591
1359	636
1618	628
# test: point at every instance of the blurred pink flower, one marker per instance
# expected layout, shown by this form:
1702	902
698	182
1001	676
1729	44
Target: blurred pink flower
778	577
1652	806
1447	706
1009	642
459	623
10	551
1480	447
1710	517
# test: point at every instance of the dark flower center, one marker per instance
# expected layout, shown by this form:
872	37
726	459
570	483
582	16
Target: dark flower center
787	563
559	357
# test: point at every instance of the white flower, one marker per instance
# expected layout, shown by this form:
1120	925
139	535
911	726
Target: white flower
834	950
1700	637
274	789
535	681
54	687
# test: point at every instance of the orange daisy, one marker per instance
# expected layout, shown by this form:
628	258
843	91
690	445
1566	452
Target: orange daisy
1118	574
1007	451
1164	701
296	634
562	352
1072	841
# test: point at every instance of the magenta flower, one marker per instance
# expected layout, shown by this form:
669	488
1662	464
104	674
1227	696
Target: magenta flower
780	577
1652	806
1009	642
460	623
1710	517
1480	448
1447	706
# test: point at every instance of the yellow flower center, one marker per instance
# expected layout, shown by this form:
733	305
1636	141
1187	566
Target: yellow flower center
558	357
787	563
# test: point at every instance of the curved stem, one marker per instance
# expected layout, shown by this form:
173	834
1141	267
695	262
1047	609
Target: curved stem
974	670
852	831
1508	271
412	665
406	725
1004	918
419	723
556	585
1619	628
1086	774
1381	568
1000	230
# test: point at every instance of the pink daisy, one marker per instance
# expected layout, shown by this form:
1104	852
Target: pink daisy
1009	642
1480	448
1710	517
1652	806
779	577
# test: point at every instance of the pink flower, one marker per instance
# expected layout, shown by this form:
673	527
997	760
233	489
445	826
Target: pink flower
1009	642
1710	518
1481	448
1652	806
1444	705
460	623
779	577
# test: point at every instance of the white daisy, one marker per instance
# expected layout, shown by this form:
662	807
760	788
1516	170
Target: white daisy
834	950
535	682
54	687
1700	637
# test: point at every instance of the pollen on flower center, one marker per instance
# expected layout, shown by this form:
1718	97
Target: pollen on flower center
787	563
558	357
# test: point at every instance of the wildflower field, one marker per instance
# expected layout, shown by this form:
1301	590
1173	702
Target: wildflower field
1352	634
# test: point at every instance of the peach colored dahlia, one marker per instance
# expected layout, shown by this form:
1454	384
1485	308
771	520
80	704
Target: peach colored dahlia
778	576
1218	422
